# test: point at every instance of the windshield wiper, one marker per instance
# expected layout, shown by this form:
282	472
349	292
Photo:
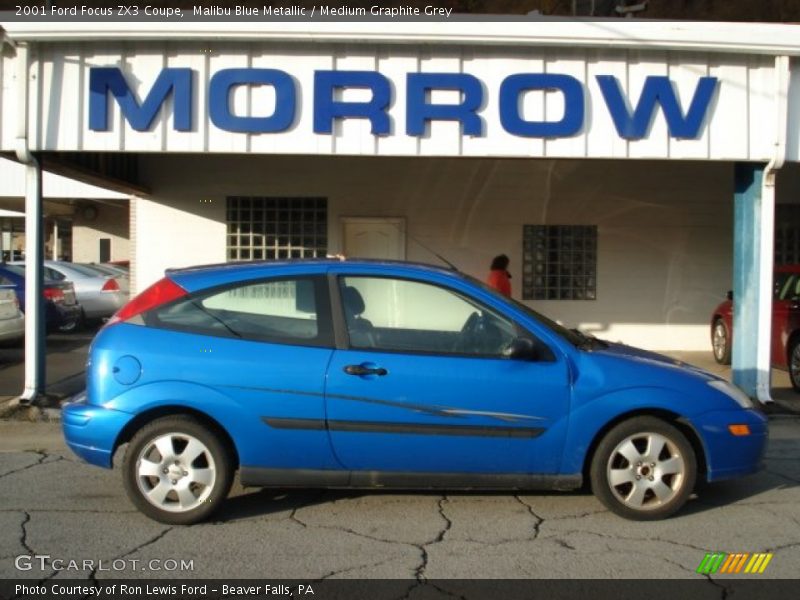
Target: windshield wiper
588	341
199	305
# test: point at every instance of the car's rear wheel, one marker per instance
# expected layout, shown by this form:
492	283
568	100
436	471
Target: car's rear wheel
177	471
70	326
721	342
644	469
794	362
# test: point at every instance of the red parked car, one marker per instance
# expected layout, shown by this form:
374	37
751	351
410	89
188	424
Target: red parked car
785	324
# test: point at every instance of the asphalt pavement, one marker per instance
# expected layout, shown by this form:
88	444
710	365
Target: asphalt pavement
52	504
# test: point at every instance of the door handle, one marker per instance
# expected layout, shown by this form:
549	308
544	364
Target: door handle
362	370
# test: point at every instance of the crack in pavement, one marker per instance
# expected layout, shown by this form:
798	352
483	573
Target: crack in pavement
42	457
419	572
293	517
356	568
93	573
539	520
23	540
24	537
632	539
783	547
564	544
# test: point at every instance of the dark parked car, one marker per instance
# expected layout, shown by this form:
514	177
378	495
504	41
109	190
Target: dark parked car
62	311
785	324
98	293
377	375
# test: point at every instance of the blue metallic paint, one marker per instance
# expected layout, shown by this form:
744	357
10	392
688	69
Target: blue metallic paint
240	382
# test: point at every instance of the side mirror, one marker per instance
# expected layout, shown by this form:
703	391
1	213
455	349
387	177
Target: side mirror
729	295
522	348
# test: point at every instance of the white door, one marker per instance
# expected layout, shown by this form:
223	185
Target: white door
367	237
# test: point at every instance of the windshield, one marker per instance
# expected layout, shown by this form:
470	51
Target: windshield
572	336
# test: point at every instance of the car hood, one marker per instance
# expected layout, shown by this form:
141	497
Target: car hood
653	359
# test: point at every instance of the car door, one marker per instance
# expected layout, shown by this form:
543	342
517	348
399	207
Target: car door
423	385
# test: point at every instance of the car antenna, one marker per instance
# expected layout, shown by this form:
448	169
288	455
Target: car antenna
428	248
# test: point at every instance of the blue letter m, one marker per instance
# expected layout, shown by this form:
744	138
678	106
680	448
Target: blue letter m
140	117
657	90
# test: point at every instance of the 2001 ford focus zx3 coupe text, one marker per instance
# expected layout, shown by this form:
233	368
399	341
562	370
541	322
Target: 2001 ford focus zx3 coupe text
392	375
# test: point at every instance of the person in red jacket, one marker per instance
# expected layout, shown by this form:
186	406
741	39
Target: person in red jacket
499	277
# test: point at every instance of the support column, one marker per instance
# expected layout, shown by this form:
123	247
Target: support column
34	286
55	239
754	216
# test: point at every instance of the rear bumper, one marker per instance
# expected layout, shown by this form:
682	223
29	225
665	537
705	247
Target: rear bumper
729	456
91	431
57	315
101	304
12	329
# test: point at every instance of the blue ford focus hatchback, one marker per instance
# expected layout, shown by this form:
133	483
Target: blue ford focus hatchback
359	374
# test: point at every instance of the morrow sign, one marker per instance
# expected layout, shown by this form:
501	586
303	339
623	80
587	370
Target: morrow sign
631	118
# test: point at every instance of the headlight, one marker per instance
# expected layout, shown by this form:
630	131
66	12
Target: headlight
732	392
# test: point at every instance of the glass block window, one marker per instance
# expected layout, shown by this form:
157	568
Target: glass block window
559	262
261	228
787	244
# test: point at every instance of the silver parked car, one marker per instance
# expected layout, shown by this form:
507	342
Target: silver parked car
121	275
99	294
12	321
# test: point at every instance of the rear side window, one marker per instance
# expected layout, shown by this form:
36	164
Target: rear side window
53	274
290	311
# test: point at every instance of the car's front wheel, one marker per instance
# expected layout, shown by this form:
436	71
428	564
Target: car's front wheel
721	342
177	471
644	469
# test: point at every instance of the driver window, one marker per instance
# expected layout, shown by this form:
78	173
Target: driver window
410	316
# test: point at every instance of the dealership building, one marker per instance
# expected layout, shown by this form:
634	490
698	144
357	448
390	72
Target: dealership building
633	171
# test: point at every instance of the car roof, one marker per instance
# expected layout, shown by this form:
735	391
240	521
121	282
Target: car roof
201	276
311	262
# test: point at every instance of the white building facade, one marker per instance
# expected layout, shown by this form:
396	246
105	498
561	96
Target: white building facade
599	156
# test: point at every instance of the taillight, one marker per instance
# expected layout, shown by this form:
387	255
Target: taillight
110	285
54	295
161	292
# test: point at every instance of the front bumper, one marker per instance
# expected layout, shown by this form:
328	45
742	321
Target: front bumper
727	455
91	431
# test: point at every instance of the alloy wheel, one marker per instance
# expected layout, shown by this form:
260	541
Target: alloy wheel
719	340
645	471
176	472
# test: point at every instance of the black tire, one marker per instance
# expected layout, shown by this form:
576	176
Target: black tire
721	342
177	476
636	478
793	361
73	325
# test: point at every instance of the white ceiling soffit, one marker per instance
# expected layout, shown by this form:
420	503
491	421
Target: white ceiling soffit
11	214
12	185
745	38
